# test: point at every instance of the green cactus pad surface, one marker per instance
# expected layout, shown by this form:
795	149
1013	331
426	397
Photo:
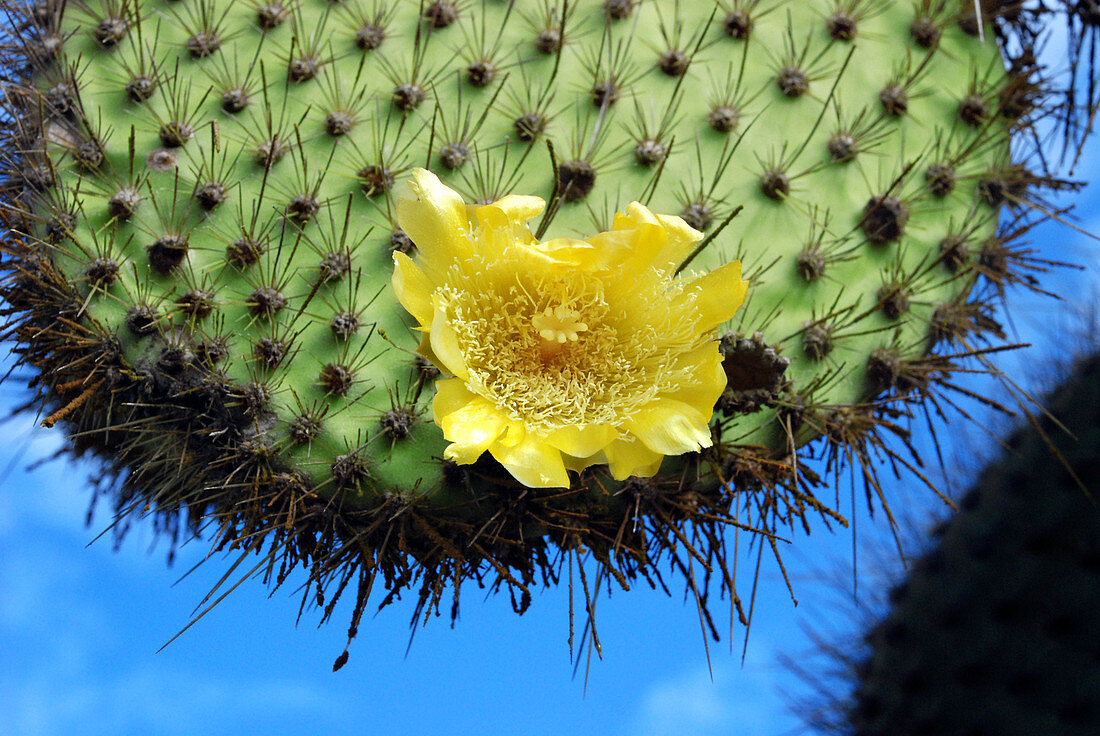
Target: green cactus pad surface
853	150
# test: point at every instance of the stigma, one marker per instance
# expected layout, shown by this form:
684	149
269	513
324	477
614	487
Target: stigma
557	326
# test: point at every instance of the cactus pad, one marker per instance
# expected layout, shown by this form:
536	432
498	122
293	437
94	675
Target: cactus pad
202	201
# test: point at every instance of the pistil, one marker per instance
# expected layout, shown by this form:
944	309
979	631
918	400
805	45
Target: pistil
557	326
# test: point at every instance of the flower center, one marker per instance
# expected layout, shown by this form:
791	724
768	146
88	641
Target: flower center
554	352
556	326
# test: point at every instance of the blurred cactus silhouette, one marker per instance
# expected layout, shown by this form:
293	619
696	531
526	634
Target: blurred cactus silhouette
994	631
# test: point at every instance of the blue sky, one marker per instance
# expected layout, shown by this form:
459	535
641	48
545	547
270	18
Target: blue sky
80	624
79	630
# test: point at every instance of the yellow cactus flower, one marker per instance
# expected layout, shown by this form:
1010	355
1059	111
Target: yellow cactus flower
564	353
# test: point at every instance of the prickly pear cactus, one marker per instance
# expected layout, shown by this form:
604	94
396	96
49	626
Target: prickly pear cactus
204	203
994	631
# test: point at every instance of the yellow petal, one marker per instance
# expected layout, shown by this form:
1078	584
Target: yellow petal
469	421
676	240
682	239
425	348
513	434
717	295
413	288
671	427
434	217
634	215
464	454
633	249
508	216
707	377
533	462
577	464
569	253
444	344
451	395
582	441
630	457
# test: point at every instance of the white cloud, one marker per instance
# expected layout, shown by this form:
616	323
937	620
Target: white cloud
741	700
30	577
154	700
687	704
55	493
